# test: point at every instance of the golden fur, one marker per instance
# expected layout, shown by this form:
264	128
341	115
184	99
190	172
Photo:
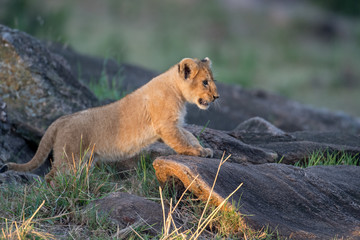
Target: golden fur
121	129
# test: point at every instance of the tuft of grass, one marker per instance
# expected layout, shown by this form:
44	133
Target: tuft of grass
144	181
202	130
205	221
82	182
63	203
329	158
24	229
105	87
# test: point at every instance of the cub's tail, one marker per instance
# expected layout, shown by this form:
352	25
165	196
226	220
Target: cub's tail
45	146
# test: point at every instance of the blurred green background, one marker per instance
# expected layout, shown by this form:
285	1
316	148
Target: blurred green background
308	51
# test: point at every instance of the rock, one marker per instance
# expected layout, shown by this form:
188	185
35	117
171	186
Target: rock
37	85
16	178
293	147
332	137
157	149
314	203
127	209
259	125
258	130
36	88
14	147
222	142
256	141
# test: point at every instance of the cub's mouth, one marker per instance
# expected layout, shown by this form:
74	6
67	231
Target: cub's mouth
203	104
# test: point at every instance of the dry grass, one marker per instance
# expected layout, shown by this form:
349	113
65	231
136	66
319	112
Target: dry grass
201	220
25	229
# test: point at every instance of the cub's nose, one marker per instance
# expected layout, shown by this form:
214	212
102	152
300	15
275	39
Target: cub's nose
215	97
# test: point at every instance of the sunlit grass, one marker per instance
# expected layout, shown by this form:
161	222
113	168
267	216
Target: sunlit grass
23	230
329	158
201	220
62	202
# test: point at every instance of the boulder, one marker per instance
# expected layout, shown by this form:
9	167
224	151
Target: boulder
221	141
127	209
257	141
14	147
36	84
319	202
293	147
36	87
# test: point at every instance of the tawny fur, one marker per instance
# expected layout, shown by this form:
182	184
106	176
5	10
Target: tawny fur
121	129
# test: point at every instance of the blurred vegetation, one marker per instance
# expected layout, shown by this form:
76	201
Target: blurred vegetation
293	48
34	18
346	7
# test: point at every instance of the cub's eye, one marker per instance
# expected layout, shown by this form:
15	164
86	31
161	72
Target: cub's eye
205	83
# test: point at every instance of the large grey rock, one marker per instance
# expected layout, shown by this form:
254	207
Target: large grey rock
127	209
13	145
314	203
296	146
241	152
37	85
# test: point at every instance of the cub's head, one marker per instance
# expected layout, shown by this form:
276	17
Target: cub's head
197	82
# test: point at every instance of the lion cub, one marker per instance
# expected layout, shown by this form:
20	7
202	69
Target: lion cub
121	129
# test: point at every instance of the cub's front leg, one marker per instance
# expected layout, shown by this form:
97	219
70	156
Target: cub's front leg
182	141
207	152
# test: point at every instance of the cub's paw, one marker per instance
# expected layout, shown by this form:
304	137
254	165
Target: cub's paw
4	168
207	152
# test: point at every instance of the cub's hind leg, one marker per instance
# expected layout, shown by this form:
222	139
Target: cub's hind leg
66	156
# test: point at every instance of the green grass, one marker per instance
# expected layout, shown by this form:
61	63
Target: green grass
105	87
329	158
61	204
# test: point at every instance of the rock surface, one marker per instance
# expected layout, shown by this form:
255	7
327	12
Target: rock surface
314	203
37	85
14	178
127	209
15	147
256	141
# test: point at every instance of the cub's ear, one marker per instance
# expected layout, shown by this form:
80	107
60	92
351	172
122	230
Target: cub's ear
188	68
207	61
